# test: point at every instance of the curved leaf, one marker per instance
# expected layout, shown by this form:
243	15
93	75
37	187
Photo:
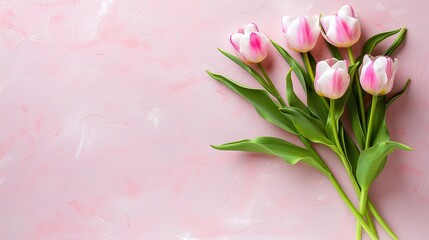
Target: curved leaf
317	105
309	127
355	121
372	42
372	160
398	94
291	97
297	68
398	41
287	151
248	69
261	101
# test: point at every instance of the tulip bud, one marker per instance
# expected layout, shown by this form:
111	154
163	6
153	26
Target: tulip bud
378	74
342	29
332	78
301	33
250	45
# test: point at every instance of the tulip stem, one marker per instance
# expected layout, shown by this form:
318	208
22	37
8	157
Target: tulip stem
362	207
371	120
340	190
349	204
271	85
308	65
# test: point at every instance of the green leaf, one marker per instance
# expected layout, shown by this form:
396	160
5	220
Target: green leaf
398	41
316	105
287	151
334	51
372	42
248	69
355	121
314	101
397	95
309	127
352	151
261	101
299	71
381	132
292	99
372	160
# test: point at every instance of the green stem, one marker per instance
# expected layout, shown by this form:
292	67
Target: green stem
370	123
360	95
338	187
362	207
351	207
271	85
308	65
343	158
381	221
368	218
350	52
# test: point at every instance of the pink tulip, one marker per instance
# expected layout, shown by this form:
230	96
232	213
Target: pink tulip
332	78
342	29
250	45
378	74
301	33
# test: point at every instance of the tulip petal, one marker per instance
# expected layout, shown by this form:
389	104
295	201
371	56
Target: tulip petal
250	28
254	47
286	22
235	40
333	83
366	59
301	34
347	10
340	65
321	68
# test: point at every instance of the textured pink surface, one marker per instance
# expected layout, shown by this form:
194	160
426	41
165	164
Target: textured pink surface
106	116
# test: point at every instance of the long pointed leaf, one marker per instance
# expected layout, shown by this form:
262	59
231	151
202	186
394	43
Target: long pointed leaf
311	128
297	68
397	95
372	42
291	97
261	101
248	69
287	151
398	41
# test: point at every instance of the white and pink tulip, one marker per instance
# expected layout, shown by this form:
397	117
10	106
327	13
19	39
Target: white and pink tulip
332	78
250	45
342	29
301	33
378	74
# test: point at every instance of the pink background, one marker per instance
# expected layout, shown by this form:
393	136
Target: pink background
106	117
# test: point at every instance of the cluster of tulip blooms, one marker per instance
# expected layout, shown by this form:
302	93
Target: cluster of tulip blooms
336	85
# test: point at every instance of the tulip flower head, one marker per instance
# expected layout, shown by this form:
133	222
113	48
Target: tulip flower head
342	29
301	33
332	78
250	45
378	74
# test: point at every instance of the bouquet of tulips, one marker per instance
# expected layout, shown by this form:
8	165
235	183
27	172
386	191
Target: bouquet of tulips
330	86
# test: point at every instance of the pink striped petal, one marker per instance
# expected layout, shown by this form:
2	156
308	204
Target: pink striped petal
254	47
